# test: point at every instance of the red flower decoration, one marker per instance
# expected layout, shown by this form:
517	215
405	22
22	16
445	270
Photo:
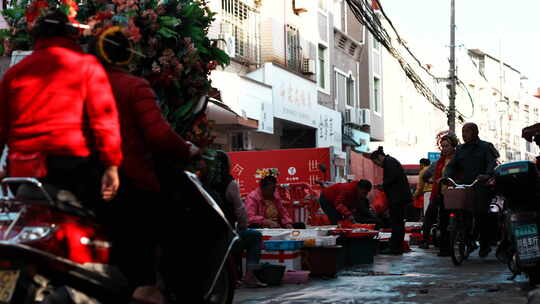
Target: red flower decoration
73	8
34	10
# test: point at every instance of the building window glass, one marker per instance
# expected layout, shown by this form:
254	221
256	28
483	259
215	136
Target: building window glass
321	79
339	14
376	44
376	95
341	88
345	90
350	92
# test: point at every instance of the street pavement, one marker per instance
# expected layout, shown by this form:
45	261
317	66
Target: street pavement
416	277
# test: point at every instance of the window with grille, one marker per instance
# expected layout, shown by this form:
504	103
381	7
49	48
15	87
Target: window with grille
242	22
294	50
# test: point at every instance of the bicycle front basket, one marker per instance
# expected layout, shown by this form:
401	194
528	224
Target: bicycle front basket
458	198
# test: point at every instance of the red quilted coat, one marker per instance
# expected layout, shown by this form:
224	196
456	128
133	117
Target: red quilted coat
58	101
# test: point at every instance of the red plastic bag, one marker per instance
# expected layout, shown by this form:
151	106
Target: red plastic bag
379	202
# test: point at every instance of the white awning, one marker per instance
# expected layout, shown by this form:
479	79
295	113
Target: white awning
223	115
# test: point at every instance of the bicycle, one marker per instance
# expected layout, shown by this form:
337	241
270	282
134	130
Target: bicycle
459	201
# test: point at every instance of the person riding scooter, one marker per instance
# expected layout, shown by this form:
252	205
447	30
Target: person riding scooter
58	116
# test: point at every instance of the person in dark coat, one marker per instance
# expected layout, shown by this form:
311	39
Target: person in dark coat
396	187
145	134
476	159
231	203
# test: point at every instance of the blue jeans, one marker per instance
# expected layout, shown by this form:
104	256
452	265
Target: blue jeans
250	240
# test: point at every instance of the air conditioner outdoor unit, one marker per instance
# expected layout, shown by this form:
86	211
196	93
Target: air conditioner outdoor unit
308	66
352	116
347	117
365	117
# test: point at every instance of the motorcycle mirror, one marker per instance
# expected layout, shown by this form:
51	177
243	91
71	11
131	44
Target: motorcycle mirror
494	208
201	105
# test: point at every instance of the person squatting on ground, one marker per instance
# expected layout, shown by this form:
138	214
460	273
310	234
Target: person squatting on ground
396	187
348	201
228	191
58	116
435	210
476	159
265	207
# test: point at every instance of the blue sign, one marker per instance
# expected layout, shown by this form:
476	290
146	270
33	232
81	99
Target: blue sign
363	139
433	156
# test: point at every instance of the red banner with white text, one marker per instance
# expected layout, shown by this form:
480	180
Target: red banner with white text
294	166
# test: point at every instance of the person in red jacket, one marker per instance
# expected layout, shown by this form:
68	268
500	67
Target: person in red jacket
145	132
57	112
347	201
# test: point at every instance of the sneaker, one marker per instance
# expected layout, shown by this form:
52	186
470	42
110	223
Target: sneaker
484	251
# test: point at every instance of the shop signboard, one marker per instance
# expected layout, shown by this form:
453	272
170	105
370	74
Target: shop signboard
329	128
294	97
434	156
246	97
293	165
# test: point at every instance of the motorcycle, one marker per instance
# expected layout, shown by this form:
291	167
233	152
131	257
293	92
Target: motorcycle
54	251
517	183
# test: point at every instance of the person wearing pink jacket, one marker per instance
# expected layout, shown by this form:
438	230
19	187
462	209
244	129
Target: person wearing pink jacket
265	207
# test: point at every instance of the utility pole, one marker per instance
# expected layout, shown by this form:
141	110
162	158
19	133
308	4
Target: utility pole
452	78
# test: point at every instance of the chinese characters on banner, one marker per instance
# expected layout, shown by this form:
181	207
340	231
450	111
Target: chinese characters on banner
329	128
294	166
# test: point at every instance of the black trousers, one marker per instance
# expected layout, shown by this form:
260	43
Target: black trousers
485	226
436	212
397	222
131	221
79	175
330	210
430	218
